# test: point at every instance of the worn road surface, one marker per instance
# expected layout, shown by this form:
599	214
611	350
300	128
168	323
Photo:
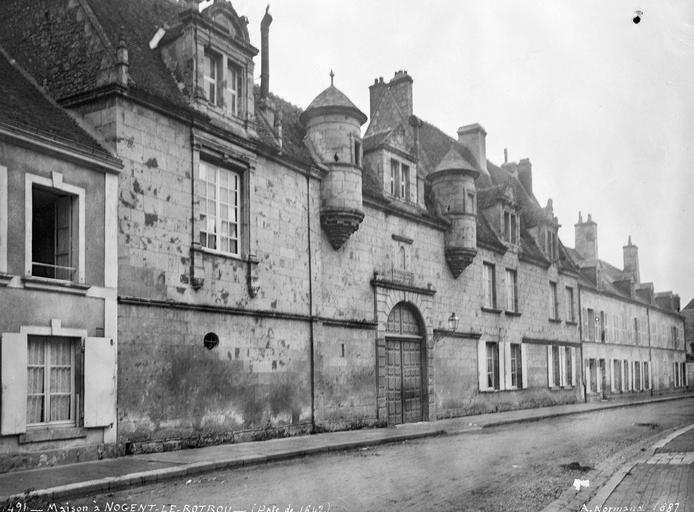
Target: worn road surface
510	468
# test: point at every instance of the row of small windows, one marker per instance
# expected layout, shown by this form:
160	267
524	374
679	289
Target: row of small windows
220	79
623	375
502	366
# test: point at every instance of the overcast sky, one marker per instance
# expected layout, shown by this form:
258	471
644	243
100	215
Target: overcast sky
603	107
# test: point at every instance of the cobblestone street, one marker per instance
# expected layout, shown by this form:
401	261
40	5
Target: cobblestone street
515	467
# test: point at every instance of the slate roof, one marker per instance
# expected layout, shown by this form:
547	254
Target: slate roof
332	98
24	105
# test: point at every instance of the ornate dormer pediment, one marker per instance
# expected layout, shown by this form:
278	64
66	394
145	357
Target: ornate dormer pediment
223	14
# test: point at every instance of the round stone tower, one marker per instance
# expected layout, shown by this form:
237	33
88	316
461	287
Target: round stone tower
455	197
333	135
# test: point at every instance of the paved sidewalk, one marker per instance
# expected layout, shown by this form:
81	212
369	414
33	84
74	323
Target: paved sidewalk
665	481
111	474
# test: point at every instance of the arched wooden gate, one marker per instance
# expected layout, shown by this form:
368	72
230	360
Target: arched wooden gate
404	355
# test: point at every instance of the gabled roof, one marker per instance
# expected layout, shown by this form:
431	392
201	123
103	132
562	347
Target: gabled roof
690	305
25	106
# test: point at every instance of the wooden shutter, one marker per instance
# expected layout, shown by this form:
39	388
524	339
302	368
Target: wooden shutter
63	238
482	364
13	354
99	382
524	364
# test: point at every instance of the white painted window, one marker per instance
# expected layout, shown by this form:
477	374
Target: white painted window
219	197
51	380
212	78
510	227
55	228
234	84
570	312
553	301
489	283
492	354
516	366
394	173
405	182
400	180
511	290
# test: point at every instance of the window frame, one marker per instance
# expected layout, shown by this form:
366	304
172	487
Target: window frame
55	182
48	344
234	87
516	360
554	301
239	207
489	289
3	219
494	373
570	307
510	226
512	290
215	60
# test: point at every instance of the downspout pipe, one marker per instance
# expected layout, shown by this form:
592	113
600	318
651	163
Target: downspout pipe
580	339
310	303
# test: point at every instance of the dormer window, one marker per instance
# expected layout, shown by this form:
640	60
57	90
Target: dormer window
234	88
399	180
551	245
510	227
212	77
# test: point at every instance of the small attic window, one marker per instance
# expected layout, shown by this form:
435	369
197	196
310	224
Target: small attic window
234	82
510	227
551	245
213	78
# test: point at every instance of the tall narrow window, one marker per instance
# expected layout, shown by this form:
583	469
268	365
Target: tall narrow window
553	301
219	208
636	331
603	332
646	376
357	153
627	380
568	367
394	175
556	367
234	89
510	227
54	240
637	376
50	380
212	79
404	182
516	366
489	284
591	324
511	290
470	203
570	314
492	365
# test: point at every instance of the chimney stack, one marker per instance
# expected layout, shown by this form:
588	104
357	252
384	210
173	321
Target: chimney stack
586	238
631	259
376	92
265	53
525	174
401	89
474	138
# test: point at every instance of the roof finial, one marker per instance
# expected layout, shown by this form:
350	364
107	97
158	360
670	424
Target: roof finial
332	76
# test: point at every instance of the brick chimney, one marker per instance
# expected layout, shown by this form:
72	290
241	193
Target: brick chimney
401	89
376	92
631	260
525	174
586	238
474	138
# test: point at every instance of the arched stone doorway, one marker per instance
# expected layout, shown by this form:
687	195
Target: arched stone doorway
405	352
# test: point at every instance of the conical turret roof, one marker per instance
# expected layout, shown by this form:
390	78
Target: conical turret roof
453	160
332	100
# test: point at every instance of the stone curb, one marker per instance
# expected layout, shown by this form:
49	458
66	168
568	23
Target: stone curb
196	468
571	413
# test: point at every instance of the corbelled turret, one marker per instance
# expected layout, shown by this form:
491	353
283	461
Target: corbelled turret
333	134
455	197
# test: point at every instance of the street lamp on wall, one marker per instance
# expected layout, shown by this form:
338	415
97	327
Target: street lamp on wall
453	322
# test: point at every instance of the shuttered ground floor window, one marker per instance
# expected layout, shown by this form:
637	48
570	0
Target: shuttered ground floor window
51	374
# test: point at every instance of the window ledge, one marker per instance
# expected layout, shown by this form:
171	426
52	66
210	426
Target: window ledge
555	320
220	254
51	434
55	285
569	322
512	313
491	310
5	279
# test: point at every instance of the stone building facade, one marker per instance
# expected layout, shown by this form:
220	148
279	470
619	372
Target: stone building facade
281	273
